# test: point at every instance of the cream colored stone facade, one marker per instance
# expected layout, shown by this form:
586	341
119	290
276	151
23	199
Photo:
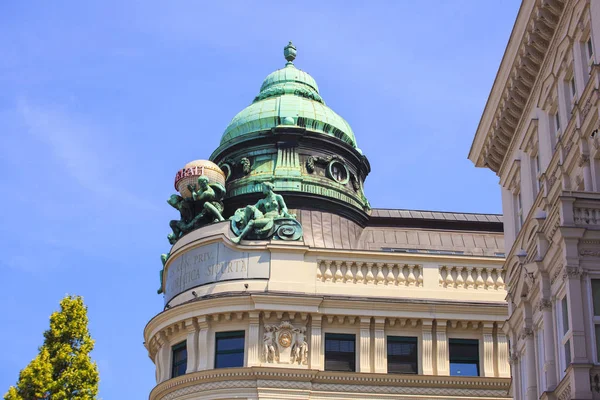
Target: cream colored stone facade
539	133
359	286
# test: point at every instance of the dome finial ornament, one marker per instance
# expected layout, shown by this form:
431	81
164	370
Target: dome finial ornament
289	52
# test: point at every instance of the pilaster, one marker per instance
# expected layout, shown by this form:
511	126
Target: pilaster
380	353
365	345
163	359
315	342
253	337
427	346
202	357
488	349
530	364
191	326
503	362
441	341
549	359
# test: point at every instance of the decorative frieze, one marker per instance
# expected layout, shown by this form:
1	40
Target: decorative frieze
481	278
384	274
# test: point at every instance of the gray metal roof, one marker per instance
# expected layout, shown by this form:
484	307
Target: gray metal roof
435	215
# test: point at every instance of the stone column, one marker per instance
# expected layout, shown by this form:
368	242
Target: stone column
163	358
253	338
315	342
530	364
427	346
380	358
488	349
549	360
441	341
202	357
503	361
365	345
579	357
587	172
191	345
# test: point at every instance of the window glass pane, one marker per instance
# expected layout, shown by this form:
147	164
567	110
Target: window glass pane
229	360
590	50
179	359
229	350
402	355
464	369
596	295
567	353
565	314
464	357
340	352
597	328
224	344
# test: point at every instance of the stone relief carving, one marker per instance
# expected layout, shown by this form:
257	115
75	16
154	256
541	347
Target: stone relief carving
571	272
544	304
285	344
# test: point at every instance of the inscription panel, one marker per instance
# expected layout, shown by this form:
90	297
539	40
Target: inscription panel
213	263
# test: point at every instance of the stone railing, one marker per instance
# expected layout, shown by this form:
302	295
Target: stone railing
586	216
390	274
471	277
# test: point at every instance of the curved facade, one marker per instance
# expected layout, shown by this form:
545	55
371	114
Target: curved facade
364	304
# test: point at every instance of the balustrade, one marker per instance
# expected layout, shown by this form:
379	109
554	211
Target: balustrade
388	274
478	278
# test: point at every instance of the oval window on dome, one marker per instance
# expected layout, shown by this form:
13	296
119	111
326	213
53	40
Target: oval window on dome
338	172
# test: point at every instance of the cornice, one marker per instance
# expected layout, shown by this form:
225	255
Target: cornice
322	380
247	302
529	42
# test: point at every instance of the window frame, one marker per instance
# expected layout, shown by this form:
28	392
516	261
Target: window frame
228	335
464	341
589	52
403	339
175	365
339	336
564	336
595	318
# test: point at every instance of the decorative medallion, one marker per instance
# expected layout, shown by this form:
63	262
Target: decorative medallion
285	338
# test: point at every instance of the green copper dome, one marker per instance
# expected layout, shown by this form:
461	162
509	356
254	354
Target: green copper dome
288	96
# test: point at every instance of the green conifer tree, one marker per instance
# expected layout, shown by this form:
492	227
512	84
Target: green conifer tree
63	369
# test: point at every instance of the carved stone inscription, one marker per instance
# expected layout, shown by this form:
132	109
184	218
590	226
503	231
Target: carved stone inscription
213	263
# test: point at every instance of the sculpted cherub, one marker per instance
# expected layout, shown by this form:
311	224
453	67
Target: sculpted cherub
259	218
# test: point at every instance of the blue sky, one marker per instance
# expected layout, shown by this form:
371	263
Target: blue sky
101	102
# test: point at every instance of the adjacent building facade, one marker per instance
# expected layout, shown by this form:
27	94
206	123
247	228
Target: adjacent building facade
539	134
283	282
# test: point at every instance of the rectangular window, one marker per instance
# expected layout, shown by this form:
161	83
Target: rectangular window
179	357
519	210
229	351
340	353
596	317
590	51
573	87
557	123
565	315
402	355
538	172
464	357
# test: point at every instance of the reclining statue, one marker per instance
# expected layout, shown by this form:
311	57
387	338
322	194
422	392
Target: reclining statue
260	220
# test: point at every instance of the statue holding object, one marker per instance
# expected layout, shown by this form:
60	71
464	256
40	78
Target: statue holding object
267	218
203	208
